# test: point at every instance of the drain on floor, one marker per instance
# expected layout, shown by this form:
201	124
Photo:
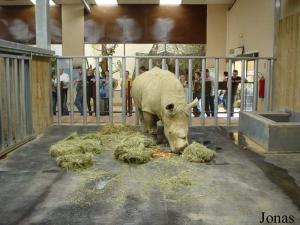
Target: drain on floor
102	182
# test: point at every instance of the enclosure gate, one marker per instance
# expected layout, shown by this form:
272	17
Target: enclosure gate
15	101
215	61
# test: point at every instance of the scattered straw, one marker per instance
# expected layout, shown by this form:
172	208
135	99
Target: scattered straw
196	152
76	152
132	149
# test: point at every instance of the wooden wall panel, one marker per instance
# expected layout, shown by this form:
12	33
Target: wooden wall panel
287	77
40	94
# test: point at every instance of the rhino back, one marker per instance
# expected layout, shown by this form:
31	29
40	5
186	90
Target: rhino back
156	88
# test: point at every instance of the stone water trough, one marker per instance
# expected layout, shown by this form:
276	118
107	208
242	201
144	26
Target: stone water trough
275	131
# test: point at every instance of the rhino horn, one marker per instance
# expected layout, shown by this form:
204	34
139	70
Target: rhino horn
193	103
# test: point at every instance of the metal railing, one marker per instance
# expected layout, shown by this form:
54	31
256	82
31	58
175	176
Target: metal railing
269	61
15	100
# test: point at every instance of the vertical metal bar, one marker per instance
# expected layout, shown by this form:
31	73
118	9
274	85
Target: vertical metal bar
29	97
16	100
216	90
177	68
190	81
71	92
97	91
124	90
84	90
271	85
1	123
229	92
22	97
163	64
150	64
242	107
267	85
110	89
137	116
8	108
203	78
58	92
255	85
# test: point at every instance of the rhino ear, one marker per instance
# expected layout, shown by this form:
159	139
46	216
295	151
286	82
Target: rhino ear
193	103
170	107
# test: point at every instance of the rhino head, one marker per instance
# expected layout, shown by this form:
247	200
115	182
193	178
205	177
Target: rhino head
176	124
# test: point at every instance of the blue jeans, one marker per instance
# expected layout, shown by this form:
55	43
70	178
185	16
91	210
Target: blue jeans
79	102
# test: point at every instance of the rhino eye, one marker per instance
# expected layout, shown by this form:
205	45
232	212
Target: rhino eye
170	107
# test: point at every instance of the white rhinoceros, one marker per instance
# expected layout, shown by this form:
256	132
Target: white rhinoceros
158	95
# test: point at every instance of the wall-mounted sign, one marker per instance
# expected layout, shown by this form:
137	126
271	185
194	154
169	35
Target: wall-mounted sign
146	24
17	24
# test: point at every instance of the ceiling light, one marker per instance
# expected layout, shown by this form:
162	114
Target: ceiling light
51	2
106	2
170	2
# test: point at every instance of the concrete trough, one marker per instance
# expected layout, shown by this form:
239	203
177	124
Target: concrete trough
275	131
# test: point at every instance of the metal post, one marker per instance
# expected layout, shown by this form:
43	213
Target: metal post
22	97
271	85
150	64
267	85
177	68
84	91
29	106
255	85
124	90
110	87
97	91
58	92
71	92
42	25
203	78
229	92
242	107
163	64
137	116
216	90
190	90
1	123
16	100
277	15
8	108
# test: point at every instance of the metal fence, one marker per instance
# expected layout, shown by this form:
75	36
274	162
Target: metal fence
268	63
15	100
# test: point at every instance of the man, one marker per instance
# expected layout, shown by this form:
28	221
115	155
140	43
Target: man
128	83
209	96
235	80
79	93
64	84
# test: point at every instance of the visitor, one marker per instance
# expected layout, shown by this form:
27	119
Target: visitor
90	85
235	80
54	92
128	99
196	91
79	93
209	96
64	84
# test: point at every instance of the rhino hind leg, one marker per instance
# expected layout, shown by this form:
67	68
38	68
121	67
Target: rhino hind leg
150	122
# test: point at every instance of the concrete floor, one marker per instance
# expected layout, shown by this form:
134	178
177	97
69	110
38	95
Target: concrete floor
234	189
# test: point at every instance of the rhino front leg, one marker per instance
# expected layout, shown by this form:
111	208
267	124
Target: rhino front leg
150	122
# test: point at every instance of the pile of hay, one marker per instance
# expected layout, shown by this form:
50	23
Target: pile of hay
76	152
134	149
196	152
